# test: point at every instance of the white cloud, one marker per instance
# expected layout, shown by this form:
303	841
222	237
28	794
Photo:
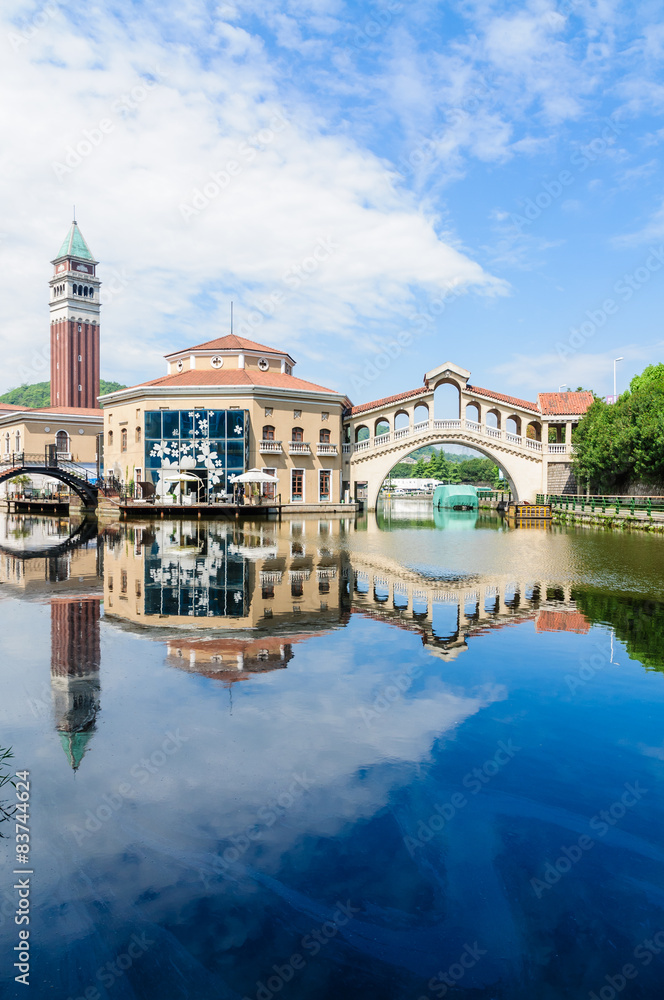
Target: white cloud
284	184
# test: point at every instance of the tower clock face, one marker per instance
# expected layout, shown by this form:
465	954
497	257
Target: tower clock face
217	361
263	364
180	366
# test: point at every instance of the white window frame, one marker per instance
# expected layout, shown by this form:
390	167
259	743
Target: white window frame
304	485
330	473
266	486
138	475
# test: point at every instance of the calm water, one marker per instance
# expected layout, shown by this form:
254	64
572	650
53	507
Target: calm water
403	758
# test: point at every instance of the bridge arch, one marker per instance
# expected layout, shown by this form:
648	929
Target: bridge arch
523	472
446	401
402	424
83	489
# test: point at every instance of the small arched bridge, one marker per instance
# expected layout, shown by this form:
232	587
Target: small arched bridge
514	433
73	476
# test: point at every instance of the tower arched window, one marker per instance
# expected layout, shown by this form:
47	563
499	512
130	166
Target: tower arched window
92	293
85	292
138	435
123	439
110	439
298	434
268	432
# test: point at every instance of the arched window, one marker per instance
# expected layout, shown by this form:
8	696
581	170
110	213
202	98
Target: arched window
7	444
324	436
138	435
268	433
18	441
62	442
92	293
298	434
85	291
110	439
123	439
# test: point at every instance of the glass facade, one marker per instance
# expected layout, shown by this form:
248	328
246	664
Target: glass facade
212	445
209	585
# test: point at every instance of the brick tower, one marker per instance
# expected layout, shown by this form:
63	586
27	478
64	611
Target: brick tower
75	309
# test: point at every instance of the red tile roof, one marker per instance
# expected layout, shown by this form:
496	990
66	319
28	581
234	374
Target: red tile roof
510	400
386	400
231	343
551	403
237	377
562	621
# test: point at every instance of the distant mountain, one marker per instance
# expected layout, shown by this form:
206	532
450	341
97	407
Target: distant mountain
39	394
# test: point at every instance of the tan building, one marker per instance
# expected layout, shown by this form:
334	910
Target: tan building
224	407
73	433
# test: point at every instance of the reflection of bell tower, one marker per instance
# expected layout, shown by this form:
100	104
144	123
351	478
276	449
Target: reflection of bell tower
75	662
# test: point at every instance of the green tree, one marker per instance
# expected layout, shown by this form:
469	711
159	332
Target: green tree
39	394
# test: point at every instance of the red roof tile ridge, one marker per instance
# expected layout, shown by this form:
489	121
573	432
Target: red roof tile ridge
512	400
230	341
390	399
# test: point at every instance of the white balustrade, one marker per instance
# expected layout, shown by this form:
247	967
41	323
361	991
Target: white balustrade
346	449
513	438
326	449
270	446
381	439
447	425
493	432
535	445
423	425
404	432
557	449
473	425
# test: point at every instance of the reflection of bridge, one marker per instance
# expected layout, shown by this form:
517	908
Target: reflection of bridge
512	432
84	533
447	613
71	475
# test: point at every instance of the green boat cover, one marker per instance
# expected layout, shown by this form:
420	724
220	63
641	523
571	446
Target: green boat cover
455	495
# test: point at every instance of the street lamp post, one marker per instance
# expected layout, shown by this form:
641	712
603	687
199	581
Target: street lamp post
615	391
561	387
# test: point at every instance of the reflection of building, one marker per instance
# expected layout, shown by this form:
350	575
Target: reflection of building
75	659
225	576
40	556
234	659
225	406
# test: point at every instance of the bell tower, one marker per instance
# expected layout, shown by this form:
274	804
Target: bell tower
75	310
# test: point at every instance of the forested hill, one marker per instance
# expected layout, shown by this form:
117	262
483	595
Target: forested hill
39	394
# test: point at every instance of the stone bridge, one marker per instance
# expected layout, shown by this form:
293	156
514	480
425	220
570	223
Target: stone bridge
516	434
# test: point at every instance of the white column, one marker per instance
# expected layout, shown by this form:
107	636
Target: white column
240	360
192	360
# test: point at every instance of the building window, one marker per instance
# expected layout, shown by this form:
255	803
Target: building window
298	434
325	483
297	414
267	591
123	581
296	588
7	443
123	439
268	432
18	441
324	436
270	489
297	485
324	415
62	442
110	439
268	411
138	435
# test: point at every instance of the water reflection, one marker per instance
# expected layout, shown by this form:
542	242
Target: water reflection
357	720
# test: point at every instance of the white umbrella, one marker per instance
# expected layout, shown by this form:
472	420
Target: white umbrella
177	477
254	476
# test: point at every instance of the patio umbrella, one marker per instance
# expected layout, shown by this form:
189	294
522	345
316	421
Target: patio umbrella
254	476
177	477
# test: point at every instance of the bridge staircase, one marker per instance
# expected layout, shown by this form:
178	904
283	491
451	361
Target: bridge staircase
80	480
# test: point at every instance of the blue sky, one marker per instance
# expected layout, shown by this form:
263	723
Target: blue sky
379	187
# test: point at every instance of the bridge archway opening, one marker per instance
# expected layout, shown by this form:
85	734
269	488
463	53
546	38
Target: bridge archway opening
473	412
361	433
401	420
534	430
421	413
447	400
474	451
513	425
381	426
492	419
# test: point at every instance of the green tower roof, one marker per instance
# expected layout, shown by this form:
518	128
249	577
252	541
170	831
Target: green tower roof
75	745
74	245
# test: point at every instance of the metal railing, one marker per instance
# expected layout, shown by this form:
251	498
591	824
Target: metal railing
604	503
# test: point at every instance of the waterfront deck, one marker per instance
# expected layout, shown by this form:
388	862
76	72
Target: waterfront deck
133	509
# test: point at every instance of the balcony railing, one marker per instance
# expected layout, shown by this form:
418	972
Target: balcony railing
326	449
299	448
274	447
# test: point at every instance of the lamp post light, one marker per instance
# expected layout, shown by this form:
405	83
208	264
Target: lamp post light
561	387
615	391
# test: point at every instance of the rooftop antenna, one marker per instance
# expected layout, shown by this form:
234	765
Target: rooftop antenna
74	215
231	317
